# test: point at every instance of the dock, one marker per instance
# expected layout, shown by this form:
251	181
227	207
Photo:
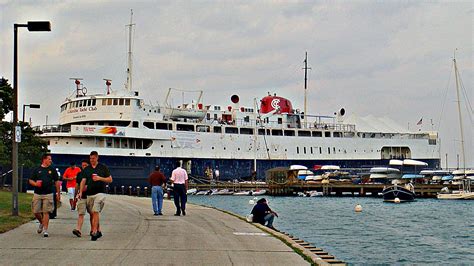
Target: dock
328	189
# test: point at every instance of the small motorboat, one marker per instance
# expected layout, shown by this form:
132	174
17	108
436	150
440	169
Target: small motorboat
259	192
402	193
191	191
242	193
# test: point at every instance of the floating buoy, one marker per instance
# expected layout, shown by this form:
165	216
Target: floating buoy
252	201
396	200
358	208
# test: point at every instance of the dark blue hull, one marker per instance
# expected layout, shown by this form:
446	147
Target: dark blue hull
133	171
393	192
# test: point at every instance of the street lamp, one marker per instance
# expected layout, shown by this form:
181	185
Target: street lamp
32	26
31	105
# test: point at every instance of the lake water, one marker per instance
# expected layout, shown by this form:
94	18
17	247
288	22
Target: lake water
427	231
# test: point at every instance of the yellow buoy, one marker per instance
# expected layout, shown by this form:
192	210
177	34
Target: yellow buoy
358	208
396	200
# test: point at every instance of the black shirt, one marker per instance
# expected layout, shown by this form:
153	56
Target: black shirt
259	211
79	178
94	187
49	176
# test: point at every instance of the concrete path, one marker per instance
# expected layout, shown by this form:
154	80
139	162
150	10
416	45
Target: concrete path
132	235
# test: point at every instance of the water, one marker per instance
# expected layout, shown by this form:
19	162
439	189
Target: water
427	231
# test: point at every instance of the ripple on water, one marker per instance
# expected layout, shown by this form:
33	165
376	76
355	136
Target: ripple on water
426	231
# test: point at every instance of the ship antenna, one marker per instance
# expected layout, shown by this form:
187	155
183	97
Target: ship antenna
305	87
79	91
129	66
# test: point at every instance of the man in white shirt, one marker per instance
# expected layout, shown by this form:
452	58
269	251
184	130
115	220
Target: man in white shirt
179	179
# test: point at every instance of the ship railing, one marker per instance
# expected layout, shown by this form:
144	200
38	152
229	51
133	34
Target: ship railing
53	129
274	124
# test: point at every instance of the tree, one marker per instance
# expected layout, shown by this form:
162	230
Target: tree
31	146
6	95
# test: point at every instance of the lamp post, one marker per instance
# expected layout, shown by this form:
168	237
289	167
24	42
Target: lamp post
32	26
31	105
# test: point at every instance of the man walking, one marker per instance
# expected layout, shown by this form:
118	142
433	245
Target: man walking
43	179
81	203
70	176
179	179
96	176
157	180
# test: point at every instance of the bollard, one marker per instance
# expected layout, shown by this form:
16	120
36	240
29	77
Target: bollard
115	190
138	191
123	190
106	189
146	191
130	190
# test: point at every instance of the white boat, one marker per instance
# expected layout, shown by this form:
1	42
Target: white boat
464	192
191	191
202	192
132	133
259	192
243	193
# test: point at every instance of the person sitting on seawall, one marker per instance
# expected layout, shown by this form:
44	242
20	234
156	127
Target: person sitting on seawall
263	214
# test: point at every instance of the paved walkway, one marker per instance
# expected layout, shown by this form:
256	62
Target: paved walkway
132	235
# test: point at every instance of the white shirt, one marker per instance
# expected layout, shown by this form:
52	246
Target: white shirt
179	176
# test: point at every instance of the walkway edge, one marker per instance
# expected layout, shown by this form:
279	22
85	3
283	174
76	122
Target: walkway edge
301	248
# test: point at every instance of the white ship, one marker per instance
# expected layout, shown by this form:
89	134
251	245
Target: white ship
132	136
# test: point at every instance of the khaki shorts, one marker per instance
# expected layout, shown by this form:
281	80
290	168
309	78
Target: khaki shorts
42	203
82	206
95	203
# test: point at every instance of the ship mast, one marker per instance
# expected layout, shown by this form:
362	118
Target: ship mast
128	85
456	74
305	88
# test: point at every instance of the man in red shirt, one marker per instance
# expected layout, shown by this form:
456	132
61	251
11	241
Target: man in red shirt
157	181
70	176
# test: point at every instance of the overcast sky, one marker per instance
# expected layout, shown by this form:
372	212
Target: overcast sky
383	58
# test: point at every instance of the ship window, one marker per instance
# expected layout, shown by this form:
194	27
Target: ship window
334	149
149	125
298	150
89	102
337	134
201	128
277	132
93	102
317	134
289	132
311	150
104	101
261	131
115	101
327	134
109	101
280	121
431	141
304	133
108	142
127	101
147	143
80	103
135	124
247	119
116	143
215	116
231	130
217	130
184	127
165	126
320	150
246	131
304	150
121	101
329	150
208	116
139	144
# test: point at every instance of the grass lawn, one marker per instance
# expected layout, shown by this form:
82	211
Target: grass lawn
7	221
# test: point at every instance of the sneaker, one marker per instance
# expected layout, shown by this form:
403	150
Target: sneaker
40	229
184	212
160	213
99	234
45	234
156	214
77	233
94	237
177	214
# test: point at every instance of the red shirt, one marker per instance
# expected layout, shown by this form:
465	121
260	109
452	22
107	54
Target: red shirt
71	173
156	178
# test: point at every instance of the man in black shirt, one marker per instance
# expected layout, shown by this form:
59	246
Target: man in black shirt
44	178
95	176
263	214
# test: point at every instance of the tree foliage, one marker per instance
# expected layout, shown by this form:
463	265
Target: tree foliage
31	146
6	94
